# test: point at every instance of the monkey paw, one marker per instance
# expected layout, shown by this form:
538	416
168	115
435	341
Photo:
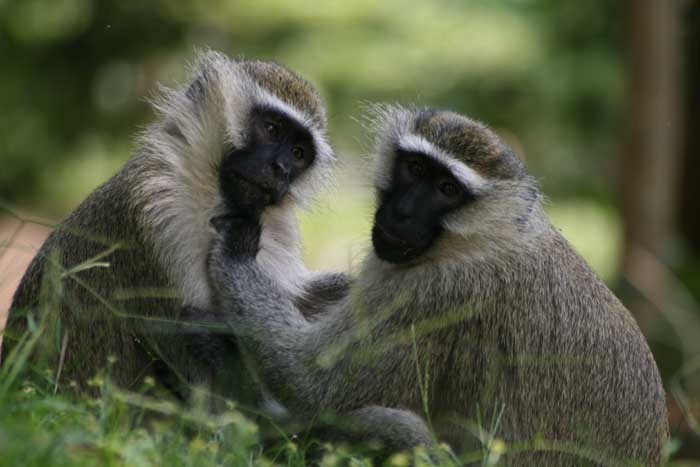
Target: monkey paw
239	236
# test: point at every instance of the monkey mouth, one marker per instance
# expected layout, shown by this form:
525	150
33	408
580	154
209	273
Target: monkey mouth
259	185
391	247
393	238
267	193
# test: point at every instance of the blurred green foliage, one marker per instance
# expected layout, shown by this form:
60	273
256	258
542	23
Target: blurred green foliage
75	75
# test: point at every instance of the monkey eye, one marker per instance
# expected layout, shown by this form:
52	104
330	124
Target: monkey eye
272	129
416	168
449	189
298	153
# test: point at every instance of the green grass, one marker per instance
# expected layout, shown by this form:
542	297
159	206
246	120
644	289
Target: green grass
115	427
128	429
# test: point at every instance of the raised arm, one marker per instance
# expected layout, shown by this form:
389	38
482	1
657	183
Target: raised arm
311	365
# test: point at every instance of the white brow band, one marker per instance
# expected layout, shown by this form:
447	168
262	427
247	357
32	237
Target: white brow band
323	149
462	172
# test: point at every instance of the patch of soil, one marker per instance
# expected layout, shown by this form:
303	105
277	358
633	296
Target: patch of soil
19	242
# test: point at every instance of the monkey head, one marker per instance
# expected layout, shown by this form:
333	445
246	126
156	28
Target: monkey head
283	137
253	129
237	137
278	149
445	183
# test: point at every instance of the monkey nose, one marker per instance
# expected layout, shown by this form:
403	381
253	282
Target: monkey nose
280	169
401	213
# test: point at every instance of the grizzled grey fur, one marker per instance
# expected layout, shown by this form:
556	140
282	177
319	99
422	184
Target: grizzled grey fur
155	211
501	316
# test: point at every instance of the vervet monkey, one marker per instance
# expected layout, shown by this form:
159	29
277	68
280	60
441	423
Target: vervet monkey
242	136
470	307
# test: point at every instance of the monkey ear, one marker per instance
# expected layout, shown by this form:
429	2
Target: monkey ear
208	67
196	92
197	96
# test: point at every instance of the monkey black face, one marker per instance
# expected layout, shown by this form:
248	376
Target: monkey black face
278	149
408	220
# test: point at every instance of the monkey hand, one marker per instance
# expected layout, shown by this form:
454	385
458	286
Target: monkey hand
239	236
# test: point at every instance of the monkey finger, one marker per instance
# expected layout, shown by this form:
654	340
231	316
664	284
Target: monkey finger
220	223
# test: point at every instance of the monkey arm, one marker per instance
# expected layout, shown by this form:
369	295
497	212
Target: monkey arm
395	429
308	365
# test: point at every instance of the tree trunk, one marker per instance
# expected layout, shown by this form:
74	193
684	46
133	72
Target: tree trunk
690	185
650	155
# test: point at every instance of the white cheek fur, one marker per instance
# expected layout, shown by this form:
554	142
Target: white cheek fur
184	198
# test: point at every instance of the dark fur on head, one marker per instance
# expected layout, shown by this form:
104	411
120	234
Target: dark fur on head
470	142
290	88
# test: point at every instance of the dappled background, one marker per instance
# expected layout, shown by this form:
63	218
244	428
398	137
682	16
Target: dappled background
599	97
